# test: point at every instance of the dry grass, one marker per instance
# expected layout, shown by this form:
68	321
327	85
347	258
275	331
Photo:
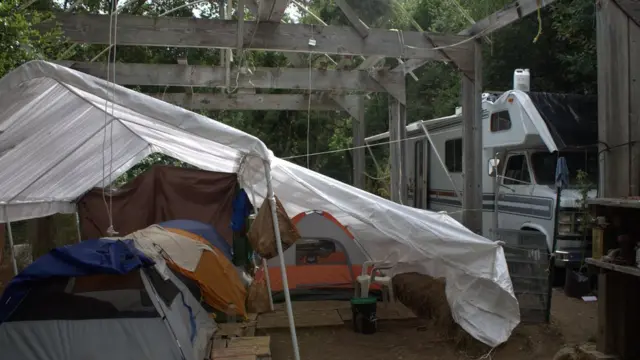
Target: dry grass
427	298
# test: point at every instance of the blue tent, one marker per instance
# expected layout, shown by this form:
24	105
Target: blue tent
205	231
89	257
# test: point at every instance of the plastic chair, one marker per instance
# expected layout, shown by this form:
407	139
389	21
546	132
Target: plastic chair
364	281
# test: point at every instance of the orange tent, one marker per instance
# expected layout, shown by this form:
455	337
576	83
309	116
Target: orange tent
218	279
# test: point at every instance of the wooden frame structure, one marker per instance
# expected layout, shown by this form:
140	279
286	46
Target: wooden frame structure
618	49
343	89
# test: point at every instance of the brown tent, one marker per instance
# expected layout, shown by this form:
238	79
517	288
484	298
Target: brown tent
160	194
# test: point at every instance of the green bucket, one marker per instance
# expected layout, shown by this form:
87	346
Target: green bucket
363	311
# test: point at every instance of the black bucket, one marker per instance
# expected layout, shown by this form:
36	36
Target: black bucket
364	315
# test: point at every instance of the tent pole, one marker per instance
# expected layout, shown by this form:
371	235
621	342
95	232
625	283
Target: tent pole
283	267
264	261
78	225
10	236
266	274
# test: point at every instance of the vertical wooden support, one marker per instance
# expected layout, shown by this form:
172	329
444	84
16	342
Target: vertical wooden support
634	107
472	145
604	341
397	152
358	128
613	99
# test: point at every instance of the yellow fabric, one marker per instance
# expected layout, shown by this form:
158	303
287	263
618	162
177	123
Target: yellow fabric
216	276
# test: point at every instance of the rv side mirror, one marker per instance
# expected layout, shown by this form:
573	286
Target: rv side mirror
493	165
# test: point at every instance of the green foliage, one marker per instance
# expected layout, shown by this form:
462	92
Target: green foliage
562	60
19	40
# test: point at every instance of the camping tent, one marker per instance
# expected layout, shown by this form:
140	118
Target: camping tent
324	263
199	230
197	260
52	150
100	299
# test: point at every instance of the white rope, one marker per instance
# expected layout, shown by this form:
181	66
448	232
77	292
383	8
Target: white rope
352	148
113	29
309	110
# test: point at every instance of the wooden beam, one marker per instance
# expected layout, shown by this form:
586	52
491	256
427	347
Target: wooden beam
359	155
397	151
472	146
512	12
181	61
251	102
370	62
261	78
509	14
213	33
239	37
353	18
272	10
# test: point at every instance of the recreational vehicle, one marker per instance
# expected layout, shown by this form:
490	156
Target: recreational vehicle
524	134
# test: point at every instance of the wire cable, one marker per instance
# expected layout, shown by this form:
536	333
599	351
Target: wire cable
309	110
352	148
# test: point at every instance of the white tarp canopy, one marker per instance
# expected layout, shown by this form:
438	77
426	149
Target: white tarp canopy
53	142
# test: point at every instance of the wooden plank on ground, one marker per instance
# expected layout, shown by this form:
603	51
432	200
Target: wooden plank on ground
243	347
261	342
394	311
311	318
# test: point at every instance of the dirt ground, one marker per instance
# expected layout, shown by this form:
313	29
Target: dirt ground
573	321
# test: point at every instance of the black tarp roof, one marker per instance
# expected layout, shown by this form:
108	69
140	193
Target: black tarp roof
572	119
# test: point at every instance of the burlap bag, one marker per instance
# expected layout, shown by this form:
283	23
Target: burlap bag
261	235
258	297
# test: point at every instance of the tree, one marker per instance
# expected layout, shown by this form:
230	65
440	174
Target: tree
19	41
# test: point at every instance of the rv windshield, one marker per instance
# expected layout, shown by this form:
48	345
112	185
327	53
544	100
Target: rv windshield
544	166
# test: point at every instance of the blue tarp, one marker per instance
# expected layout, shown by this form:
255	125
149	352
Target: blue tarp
241	210
89	257
205	231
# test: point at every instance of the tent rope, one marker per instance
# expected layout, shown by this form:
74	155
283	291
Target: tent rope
113	30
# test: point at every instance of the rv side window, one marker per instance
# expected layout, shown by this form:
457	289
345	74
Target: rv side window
453	155
500	121
517	171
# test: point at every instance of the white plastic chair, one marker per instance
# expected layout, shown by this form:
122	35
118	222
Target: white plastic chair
365	280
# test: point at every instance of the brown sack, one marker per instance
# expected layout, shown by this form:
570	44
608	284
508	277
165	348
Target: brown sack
261	235
258	297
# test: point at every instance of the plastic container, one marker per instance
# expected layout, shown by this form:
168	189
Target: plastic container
364	315
521	80
576	284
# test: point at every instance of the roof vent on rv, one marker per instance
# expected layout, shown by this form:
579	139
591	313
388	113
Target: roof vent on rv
521	80
458	110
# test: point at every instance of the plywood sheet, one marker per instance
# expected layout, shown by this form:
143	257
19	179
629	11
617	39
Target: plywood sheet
243	348
308	318
314	305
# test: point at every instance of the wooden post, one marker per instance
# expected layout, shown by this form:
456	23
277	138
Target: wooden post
472	145
358	128
397	135
614	126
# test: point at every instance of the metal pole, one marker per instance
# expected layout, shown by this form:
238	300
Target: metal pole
10	235
265	268
496	197
283	267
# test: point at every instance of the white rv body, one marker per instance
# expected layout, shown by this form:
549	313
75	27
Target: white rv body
526	202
